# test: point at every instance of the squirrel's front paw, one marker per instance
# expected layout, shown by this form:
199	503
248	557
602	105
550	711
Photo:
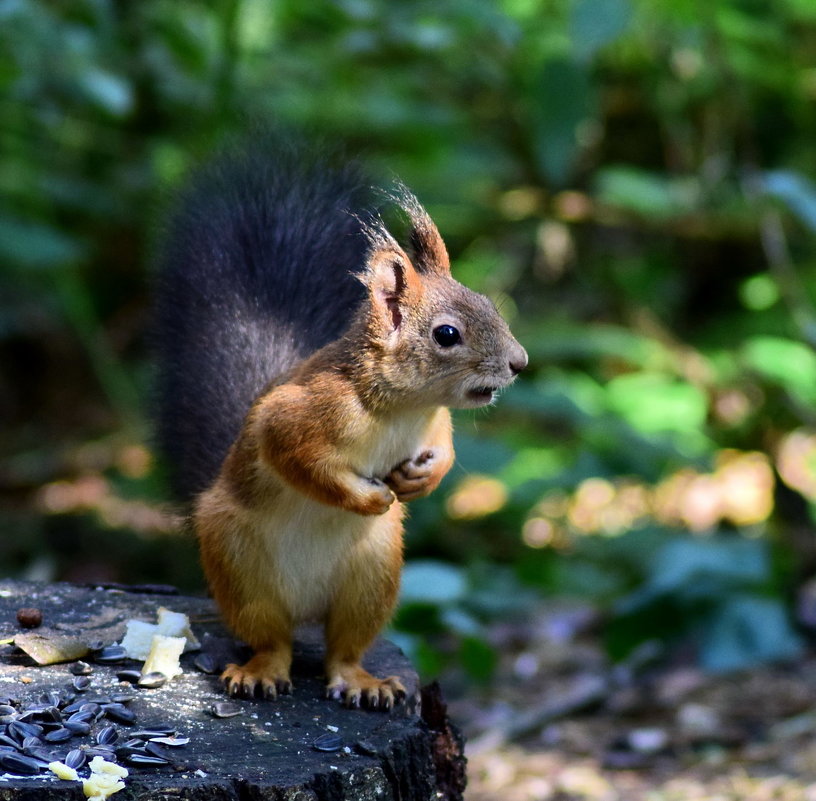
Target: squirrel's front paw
413	478
376	500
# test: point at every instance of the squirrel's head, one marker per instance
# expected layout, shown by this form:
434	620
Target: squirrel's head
433	340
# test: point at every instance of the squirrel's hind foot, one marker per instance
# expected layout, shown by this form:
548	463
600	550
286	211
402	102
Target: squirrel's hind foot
265	675
356	687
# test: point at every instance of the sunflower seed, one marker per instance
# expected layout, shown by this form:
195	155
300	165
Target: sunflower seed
58	735
130	676
20	730
110	655
206	663
328	742
173	742
19	764
155	731
81	683
120	713
107	735
145	759
81	669
223	709
75	758
152	680
50	698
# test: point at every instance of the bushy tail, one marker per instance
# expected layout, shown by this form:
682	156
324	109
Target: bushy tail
255	272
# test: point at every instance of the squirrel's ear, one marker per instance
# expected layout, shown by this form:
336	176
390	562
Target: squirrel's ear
430	253
427	247
393	286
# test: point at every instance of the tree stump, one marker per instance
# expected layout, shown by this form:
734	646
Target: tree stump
301	747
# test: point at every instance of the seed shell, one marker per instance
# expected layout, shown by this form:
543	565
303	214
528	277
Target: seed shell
120	713
107	735
152	680
110	655
223	709
206	663
19	764
75	758
328	742
58	735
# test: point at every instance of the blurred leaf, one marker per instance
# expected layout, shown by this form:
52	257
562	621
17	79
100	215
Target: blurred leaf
694	569
460	622
479	454
432	582
652	402
745	630
648	194
559	101
32	244
797	192
785	362
595	23
110	92
550	342
478	658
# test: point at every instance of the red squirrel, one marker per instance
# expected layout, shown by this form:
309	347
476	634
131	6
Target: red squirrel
307	365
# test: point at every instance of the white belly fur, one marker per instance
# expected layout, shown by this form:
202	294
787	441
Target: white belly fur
304	541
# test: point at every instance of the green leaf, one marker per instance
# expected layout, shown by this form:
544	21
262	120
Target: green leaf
653	402
690	570
432	582
790	364
478	658
561	342
647	194
33	244
110	92
559	101
746	630
595	23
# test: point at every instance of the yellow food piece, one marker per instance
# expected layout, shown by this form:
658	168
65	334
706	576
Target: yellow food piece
101	785
63	771
102	767
164	655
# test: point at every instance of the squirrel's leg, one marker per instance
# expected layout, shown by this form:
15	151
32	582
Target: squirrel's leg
420	475
365	596
267	672
250	603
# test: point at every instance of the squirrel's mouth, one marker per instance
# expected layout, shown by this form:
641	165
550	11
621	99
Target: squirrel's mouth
482	394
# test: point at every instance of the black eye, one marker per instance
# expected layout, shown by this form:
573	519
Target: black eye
446	336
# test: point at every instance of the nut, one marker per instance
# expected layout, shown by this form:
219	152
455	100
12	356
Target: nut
29	617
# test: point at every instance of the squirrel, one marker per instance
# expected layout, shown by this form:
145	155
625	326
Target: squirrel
306	368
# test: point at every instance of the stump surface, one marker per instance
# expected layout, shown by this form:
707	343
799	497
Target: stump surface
266	752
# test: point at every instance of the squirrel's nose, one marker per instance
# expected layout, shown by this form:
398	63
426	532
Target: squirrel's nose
518	359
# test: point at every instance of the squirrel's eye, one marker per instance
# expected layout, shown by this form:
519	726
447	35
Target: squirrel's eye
446	336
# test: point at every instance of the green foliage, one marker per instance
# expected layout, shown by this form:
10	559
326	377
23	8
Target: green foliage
632	181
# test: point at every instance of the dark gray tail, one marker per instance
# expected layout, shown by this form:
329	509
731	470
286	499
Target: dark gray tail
255	271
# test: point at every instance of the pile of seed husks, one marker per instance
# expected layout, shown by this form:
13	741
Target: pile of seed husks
79	722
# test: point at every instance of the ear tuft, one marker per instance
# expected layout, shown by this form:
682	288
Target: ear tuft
427	247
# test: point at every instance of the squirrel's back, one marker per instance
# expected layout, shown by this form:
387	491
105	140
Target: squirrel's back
255	272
